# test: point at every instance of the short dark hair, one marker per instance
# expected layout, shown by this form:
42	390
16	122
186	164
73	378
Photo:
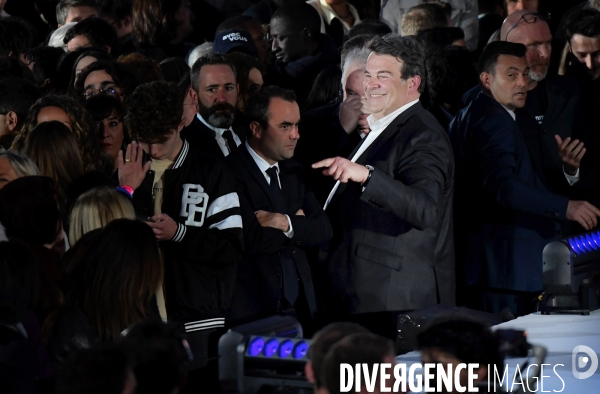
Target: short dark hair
407	50
102	370
324	339
450	73
116	9
369	26
210	59
159	355
62	8
468	341
99	33
257	108
585	22
363	348
299	16
493	50
15	36
18	95
439	37
101	106
423	16
173	68
44	61
154	110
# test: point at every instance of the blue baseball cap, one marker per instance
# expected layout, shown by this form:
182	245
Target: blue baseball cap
234	40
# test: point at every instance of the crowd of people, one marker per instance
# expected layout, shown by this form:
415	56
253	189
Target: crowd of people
172	169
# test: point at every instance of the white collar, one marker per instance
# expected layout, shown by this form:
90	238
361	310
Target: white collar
262	164
384	122
330	14
511	112
213	128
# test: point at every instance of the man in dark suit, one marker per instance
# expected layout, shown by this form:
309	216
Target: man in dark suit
506	211
392	213
279	216
214	129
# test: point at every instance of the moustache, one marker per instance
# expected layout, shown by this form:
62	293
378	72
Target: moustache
221	107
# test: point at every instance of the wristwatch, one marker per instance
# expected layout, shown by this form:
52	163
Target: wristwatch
371	169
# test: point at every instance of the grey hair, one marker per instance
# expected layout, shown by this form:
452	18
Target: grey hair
21	164
198	52
360	54
57	38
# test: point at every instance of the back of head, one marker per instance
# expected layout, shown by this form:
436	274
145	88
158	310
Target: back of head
53	148
99	33
257	107
407	50
450	73
198	52
115	279
95	209
162	100
20	163
154	21
159	354
297	16
173	69
324	339
103	370
18	279
29	210
44	68
15	37
369	26
17	95
364	348
143	68
423	16
585	23
439	37
492	52
468	341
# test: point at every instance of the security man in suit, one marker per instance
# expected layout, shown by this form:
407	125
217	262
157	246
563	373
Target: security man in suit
391	210
280	217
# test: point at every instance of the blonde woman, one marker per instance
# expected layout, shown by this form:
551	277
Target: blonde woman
95	209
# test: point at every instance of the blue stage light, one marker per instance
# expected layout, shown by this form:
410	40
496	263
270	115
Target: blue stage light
579	245
591	241
271	347
255	347
300	350
285	349
584	242
573	245
596	239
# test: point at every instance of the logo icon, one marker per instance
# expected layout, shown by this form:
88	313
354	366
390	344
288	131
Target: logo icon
580	361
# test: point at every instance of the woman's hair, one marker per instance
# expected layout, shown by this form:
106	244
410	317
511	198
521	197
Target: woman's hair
82	127
122	78
102	106
154	21
115	275
53	148
95	209
21	164
95	53
243	64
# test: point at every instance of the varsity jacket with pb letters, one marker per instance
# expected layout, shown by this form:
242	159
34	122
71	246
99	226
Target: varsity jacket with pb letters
200	261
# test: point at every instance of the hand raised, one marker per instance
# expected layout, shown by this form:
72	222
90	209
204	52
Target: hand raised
343	170
131	170
571	153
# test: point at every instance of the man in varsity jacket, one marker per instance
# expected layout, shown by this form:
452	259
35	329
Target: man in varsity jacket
189	200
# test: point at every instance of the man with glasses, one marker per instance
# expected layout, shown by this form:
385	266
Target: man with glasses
551	121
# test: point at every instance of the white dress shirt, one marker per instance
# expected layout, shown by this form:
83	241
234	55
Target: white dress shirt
572	179
219	136
328	14
263	166
377	127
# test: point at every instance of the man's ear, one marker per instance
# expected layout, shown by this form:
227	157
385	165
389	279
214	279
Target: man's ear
12	120
255	129
413	84
306	34
193	96
486	79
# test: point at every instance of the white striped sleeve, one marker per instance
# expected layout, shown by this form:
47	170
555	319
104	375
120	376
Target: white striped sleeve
222	203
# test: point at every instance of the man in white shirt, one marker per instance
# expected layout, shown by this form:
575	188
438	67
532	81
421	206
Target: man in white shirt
216	90
391	210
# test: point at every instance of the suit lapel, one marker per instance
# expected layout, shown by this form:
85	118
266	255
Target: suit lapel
388	133
557	101
256	173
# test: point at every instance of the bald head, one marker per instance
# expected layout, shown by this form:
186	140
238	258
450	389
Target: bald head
528	28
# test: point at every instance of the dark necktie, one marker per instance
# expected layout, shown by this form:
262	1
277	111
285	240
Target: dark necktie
278	200
230	141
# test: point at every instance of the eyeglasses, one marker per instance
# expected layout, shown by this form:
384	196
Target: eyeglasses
108	89
530	17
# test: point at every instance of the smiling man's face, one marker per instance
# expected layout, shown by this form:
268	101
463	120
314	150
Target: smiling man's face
385	89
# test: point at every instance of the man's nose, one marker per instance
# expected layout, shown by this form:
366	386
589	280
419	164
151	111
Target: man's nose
220	97
589	62
295	135
274	45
